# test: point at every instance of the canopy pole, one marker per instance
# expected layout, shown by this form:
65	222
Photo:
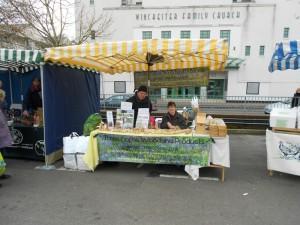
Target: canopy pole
148	83
10	87
46	166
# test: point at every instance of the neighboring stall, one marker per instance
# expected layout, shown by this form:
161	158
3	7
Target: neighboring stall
17	69
69	96
283	141
147	55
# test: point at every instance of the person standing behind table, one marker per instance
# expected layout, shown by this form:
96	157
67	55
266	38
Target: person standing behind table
173	120
5	141
33	98
296	99
140	100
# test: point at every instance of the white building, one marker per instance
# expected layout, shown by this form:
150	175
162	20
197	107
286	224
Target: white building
252	28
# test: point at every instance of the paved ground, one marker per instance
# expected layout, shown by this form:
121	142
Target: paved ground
124	194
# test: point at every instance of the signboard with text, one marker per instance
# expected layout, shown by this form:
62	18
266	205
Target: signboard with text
180	150
173	78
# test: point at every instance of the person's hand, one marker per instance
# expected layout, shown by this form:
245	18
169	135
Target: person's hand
171	126
26	113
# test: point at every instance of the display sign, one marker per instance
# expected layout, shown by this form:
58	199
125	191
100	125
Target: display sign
173	78
180	150
283	152
143	117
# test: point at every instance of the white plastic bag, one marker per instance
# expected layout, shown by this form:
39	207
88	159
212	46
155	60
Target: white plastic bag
70	161
75	144
82	144
80	162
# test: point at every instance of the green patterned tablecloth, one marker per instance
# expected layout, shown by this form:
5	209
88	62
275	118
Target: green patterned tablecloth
180	150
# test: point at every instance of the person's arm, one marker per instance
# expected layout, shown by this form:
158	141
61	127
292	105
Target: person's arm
164	123
294	101
150	108
181	122
26	104
131	99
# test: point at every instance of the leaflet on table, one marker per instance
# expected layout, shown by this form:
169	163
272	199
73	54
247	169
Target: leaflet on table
143	117
126	106
127	118
110	119
119	121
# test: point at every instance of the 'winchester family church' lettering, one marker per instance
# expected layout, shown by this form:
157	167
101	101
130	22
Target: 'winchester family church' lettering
214	15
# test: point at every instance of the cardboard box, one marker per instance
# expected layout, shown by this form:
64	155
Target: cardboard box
283	118
201	118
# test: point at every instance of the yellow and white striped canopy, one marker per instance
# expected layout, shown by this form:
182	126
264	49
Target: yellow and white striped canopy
131	56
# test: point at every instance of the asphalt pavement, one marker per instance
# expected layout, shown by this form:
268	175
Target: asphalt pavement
122	194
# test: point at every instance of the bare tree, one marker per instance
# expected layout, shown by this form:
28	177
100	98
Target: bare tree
47	22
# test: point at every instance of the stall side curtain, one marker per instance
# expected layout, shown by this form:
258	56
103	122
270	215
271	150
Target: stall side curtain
70	96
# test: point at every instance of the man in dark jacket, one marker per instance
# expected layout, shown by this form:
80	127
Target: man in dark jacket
140	100
173	119
33	99
296	99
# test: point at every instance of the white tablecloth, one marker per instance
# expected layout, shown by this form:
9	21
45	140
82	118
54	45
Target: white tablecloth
283	152
220	155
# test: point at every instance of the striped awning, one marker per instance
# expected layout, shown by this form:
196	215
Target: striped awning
138	55
233	63
286	56
20	60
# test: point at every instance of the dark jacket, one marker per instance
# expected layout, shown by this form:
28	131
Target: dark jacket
296	100
176	120
136	104
32	100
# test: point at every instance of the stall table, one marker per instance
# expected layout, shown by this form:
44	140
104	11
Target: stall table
193	151
28	142
283	150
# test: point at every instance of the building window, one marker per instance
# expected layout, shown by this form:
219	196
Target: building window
261	50
286	32
185	34
93	34
247	50
92	2
124	2
147	34
205	34
139	3
120	86
225	34
166	34
252	88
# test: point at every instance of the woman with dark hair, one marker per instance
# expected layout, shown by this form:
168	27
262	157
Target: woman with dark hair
33	98
173	120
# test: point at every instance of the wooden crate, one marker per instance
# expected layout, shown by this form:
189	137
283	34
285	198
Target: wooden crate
222	131
213	130
201	129
201	118
217	131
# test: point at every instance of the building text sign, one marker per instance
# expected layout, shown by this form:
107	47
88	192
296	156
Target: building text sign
200	14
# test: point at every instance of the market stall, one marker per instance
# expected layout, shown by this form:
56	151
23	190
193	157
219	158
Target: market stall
65	90
283	141
17	69
147	55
